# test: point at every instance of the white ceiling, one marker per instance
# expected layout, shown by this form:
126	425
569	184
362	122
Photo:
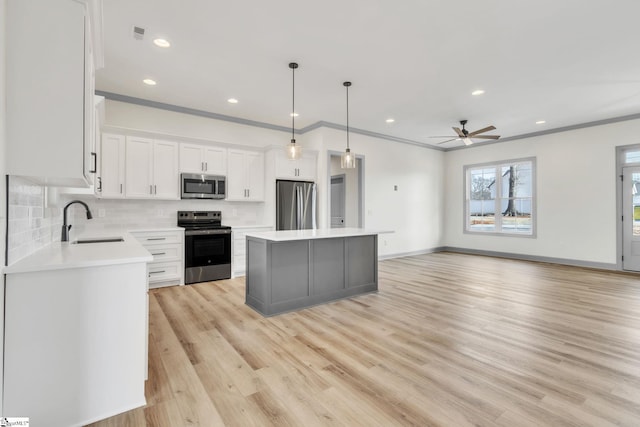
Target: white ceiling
564	61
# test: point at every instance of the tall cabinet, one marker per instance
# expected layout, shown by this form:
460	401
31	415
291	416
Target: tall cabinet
50	107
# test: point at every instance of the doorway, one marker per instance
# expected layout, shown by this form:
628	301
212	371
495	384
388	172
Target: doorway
628	202
631	218
346	195
338	194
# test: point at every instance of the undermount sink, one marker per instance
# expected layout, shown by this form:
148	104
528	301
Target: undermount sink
98	240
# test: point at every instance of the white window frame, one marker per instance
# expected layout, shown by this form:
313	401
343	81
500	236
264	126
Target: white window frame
498	230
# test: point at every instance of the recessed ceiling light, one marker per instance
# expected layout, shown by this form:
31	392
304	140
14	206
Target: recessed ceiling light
161	42
149	82
541	122
390	120
294	114
232	101
477	92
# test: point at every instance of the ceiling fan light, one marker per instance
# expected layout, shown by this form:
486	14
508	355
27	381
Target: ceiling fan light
467	141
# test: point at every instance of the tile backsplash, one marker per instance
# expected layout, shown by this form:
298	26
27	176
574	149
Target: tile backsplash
35	217
113	214
32	225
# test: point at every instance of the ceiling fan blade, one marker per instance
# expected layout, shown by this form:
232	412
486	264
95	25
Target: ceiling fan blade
486	136
487	129
459	132
467	141
443	136
448	140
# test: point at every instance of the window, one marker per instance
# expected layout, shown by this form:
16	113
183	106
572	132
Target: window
499	197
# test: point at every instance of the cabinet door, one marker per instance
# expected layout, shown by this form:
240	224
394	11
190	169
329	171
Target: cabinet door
45	87
191	160
139	168
285	168
307	167
90	152
165	170
215	160
254	163
236	176
112	166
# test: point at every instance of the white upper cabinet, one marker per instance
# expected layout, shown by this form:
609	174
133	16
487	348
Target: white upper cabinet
302	169
245	177
203	159
166	182
151	169
49	74
112	165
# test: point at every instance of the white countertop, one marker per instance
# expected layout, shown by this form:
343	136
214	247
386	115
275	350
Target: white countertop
323	233
58	255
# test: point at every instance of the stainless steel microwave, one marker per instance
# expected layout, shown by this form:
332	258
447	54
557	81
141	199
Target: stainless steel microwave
198	186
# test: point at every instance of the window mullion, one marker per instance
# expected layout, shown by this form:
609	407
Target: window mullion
498	202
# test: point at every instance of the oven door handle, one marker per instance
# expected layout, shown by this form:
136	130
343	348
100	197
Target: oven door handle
205	232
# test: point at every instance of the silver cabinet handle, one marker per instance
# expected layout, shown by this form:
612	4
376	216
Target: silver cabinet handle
206	166
156	272
155	189
202	166
150	189
159	253
248	192
156	238
120	188
99	184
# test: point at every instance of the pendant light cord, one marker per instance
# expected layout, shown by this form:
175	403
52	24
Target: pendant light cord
293	101
347	84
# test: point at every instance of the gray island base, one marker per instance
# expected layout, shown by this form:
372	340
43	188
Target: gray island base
293	269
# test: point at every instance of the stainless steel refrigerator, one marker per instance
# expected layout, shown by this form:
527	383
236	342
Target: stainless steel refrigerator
296	205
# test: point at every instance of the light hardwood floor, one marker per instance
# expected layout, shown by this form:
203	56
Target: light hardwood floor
449	340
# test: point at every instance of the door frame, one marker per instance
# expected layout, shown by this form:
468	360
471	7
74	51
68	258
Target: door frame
620	164
343	176
360	164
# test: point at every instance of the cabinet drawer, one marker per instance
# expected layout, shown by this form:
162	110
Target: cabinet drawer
157	237
162	271
163	252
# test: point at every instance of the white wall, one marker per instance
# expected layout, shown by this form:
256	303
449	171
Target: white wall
576	193
414	212
131	116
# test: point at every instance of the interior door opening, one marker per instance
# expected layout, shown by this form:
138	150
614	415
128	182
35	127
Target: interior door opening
345	193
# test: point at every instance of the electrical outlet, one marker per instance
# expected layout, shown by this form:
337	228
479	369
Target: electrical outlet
234	212
101	213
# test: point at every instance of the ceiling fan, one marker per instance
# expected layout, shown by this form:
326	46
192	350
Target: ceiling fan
466	136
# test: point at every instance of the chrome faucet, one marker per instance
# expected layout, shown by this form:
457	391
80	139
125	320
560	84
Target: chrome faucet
65	227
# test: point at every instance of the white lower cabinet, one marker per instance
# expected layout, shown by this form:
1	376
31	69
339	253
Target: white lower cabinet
167	248
239	261
75	343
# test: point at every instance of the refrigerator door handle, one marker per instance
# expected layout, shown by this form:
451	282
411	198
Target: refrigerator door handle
299	200
292	222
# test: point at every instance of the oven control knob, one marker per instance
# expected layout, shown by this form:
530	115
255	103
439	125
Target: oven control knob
209	261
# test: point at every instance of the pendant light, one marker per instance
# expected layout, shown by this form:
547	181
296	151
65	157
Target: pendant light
348	159
293	151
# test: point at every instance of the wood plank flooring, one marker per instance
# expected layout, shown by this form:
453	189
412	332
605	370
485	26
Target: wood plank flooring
449	340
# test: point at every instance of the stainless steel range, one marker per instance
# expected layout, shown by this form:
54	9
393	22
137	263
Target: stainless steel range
207	246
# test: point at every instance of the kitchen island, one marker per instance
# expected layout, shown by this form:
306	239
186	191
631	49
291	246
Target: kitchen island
292	269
